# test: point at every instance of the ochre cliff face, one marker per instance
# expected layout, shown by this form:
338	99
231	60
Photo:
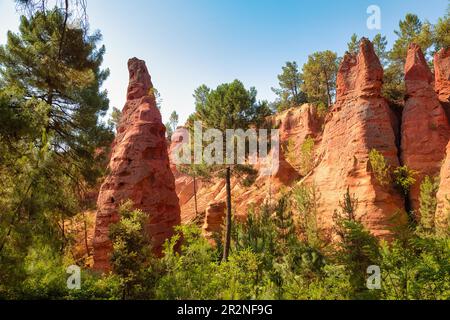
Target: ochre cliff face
360	121
443	196
214	219
295	125
425	129
442	72
139	169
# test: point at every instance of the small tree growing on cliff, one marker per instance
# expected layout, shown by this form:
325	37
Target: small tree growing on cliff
404	178
380	167
304	161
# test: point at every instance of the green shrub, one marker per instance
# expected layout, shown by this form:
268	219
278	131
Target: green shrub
416	269
428	203
131	257
303	162
190	273
307	156
380	167
306	203
404	178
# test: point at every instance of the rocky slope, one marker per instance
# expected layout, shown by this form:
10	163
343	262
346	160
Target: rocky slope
139	169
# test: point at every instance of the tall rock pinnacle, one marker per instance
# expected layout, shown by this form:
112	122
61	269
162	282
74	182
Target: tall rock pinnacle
139	169
442	74
425	129
359	122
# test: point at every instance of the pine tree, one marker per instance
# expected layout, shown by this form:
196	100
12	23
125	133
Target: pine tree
306	198
114	121
353	45
284	222
428	204
411	30
131	255
67	79
229	106
319	76
442	32
51	98
171	125
290	82
357	248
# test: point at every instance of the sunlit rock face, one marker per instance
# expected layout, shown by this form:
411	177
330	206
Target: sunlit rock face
442	75
425	129
139	169
360	121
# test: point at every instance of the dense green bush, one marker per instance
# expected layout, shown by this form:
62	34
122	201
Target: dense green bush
404	178
428	203
270	258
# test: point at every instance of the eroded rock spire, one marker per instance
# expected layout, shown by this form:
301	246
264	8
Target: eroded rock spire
139	169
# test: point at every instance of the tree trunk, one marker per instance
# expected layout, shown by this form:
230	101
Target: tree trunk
330	102
86	235
63	231
63	32
195	195
226	248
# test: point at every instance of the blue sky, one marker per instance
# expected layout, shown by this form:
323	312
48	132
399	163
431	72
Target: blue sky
190	42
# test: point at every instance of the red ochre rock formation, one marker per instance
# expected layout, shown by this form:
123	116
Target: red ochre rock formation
442	218
442	75
214	219
360	121
295	124
425	128
139	169
184	184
